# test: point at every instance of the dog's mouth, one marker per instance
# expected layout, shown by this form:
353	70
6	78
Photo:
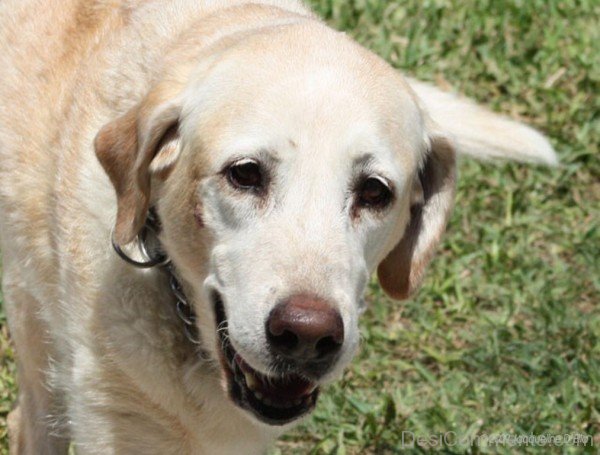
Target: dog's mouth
275	400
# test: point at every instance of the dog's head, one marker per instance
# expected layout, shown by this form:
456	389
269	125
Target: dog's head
285	171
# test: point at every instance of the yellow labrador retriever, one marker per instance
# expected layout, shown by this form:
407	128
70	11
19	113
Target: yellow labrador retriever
193	196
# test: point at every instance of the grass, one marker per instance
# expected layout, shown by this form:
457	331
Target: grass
504	337
8	392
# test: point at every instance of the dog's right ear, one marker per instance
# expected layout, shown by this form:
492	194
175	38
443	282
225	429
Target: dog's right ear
142	142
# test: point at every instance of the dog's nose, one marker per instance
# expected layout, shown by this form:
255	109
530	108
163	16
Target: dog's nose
305	329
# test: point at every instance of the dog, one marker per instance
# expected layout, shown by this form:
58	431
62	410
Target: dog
193	197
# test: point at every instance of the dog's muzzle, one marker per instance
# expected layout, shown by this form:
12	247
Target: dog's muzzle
276	399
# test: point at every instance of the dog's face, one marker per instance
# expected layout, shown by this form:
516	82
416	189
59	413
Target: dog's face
287	173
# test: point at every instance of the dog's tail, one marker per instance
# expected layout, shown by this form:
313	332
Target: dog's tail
481	133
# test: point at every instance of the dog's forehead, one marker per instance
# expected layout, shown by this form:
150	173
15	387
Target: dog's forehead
349	104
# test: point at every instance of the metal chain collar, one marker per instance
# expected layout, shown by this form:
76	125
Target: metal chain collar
150	250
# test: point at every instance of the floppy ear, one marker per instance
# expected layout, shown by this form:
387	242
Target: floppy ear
401	272
142	142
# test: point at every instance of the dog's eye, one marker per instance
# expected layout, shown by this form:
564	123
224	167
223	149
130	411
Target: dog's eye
245	175
373	192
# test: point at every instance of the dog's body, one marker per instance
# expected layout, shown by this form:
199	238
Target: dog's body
102	357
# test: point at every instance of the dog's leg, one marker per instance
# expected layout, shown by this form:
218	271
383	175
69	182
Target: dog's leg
32	430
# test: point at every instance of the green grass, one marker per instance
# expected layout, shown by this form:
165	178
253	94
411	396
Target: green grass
504	337
8	388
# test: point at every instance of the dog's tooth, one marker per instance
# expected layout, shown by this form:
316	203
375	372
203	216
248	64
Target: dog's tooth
251	381
258	395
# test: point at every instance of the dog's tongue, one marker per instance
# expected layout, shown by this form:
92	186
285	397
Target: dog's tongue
290	387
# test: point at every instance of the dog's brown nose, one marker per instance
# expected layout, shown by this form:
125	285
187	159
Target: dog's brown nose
305	329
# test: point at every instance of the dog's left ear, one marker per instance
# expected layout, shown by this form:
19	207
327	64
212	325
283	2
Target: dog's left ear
141	143
401	272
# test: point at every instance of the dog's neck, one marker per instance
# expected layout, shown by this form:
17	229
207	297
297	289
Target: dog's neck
154	256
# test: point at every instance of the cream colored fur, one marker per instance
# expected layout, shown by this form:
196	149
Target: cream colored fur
102	359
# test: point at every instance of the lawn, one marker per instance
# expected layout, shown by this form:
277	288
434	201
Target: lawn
504	336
